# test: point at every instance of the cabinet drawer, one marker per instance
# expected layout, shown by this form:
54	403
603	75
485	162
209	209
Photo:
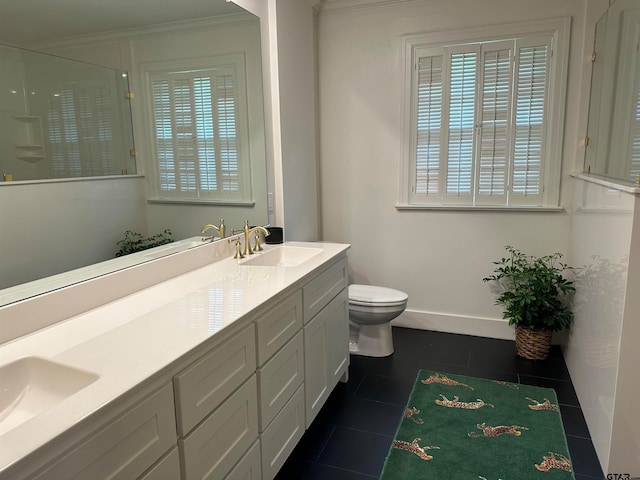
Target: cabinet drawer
204	385
126	447
166	469
278	325
216	445
249	467
279	379
319	291
281	437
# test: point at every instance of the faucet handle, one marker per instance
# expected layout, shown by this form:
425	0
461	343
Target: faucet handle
258	246
238	255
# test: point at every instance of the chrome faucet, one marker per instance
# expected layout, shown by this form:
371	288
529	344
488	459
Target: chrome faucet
220	229
247	238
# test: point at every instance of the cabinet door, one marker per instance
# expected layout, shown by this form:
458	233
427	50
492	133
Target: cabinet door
212	449
282	435
316	381
326	353
338	338
126	447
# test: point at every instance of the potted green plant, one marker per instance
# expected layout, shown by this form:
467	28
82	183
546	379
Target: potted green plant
534	294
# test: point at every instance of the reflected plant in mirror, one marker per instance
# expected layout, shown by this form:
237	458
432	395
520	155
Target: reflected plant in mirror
134	242
613	135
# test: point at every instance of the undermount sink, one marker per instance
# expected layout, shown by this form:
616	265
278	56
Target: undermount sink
284	256
32	385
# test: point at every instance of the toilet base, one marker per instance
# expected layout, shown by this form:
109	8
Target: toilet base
372	341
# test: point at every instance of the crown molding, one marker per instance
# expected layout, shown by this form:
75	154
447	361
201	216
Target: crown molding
326	7
223	21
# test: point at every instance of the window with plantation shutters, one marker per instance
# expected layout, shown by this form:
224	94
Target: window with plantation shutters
80	130
198	139
483	129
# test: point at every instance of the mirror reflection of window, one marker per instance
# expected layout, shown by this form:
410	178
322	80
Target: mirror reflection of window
80	126
634	165
197	134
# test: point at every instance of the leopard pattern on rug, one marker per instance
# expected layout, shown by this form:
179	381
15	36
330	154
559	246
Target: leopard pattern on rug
410	412
512	386
546	405
444	380
414	448
550	461
455	403
488	431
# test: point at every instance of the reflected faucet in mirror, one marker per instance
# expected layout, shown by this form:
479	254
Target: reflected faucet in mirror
220	229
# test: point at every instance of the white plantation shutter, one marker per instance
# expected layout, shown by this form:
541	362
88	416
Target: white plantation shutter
495	124
491	148
226	114
461	115
80	130
196	135
205	134
63	134
429	124
634	163
531	90
162	108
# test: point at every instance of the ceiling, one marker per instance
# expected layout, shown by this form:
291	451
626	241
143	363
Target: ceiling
24	22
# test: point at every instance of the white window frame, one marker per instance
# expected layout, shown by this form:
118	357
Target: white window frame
559	30
234	63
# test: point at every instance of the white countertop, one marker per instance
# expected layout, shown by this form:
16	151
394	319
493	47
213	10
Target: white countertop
134	338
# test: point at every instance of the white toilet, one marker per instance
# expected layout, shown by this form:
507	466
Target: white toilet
371	310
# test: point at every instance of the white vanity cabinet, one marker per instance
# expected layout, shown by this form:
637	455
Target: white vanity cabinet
326	335
231	406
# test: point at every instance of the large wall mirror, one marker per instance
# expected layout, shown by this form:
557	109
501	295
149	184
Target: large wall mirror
613	148
59	226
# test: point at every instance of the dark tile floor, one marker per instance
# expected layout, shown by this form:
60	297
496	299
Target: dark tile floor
350	437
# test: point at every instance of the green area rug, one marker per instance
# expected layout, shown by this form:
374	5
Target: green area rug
457	427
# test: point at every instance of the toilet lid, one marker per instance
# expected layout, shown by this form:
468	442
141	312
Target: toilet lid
372	295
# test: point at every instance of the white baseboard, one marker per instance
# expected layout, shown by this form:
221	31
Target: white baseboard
442	322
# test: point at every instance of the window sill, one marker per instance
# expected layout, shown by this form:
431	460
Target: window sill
220	203
483	208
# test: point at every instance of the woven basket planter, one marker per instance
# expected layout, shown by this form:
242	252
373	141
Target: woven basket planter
533	344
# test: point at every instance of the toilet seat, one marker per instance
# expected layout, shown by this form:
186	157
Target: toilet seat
371	295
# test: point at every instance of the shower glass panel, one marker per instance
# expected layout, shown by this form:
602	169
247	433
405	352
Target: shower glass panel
61	118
